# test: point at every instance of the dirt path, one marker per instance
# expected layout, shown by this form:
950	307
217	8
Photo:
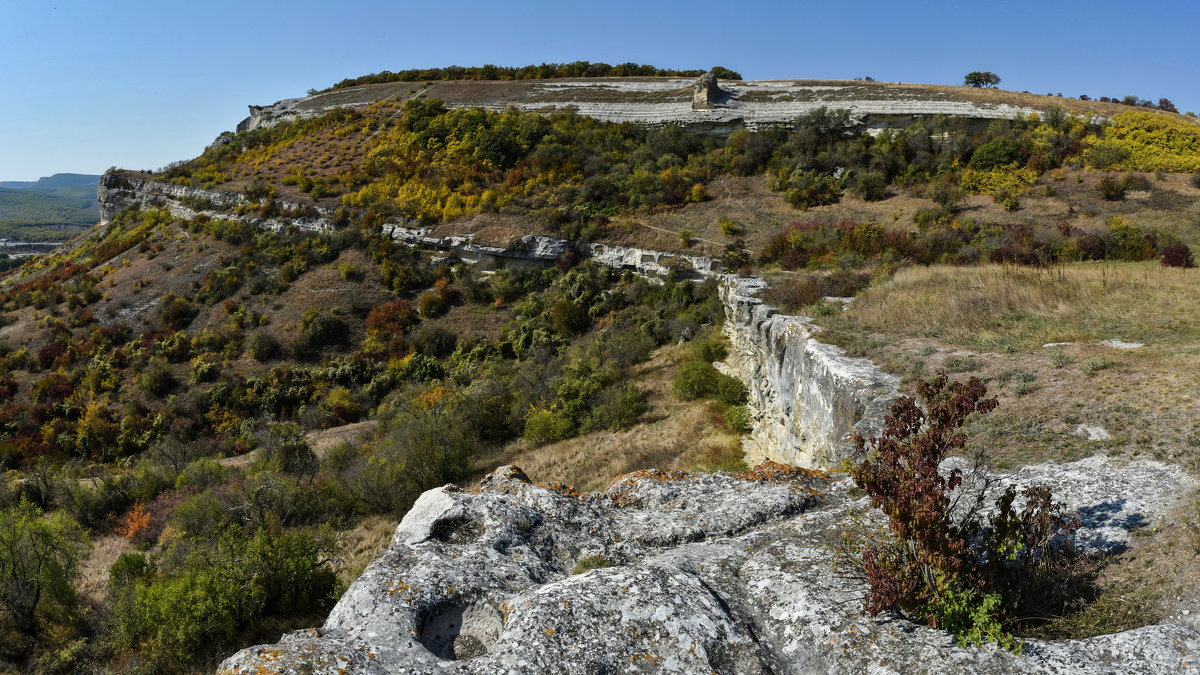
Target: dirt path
321	441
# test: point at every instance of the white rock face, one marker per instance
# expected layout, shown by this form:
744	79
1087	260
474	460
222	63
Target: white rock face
806	397
119	192
547	249
711	573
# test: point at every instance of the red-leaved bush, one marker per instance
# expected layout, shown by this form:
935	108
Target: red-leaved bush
978	577
1178	255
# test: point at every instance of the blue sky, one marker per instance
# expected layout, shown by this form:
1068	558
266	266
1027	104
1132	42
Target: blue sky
87	84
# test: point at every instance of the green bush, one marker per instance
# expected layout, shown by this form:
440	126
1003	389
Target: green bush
996	153
156	380
39	565
617	408
263	347
318	330
738	419
695	379
218	591
871	186
710	349
805	188
544	426
699	379
202	473
730	390
175	312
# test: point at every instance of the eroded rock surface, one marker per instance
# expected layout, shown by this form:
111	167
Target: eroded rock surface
806	396
709	573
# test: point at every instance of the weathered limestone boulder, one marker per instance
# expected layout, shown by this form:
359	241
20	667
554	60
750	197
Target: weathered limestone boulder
707	573
706	93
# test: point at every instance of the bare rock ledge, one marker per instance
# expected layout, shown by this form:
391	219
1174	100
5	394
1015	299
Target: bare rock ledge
709	573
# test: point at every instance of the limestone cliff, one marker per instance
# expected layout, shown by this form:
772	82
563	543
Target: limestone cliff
117	192
806	396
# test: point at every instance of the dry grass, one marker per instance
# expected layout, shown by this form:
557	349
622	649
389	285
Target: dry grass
1006	307
673	434
93	587
993	321
364	543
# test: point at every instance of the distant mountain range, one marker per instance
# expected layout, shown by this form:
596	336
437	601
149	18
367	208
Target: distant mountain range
55	182
48	209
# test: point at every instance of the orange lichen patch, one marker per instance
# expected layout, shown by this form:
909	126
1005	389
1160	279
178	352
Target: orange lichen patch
550	632
655	475
395	587
562	489
774	472
514	473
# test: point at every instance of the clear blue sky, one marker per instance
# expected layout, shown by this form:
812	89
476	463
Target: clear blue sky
86	84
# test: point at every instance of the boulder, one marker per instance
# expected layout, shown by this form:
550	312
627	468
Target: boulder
706	93
663	572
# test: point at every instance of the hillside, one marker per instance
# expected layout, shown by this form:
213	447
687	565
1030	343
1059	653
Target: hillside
226	395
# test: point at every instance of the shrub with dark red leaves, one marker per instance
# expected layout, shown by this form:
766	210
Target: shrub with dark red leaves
1178	255
977	577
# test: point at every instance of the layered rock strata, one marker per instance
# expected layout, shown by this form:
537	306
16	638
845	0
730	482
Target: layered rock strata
700	573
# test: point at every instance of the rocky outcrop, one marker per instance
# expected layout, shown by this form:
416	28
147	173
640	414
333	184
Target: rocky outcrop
543	249
701	573
117	192
806	397
706	94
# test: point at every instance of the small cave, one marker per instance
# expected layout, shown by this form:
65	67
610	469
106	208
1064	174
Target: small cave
461	630
458	530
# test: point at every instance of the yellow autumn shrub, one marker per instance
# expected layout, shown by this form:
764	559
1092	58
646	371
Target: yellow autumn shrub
1010	178
1153	141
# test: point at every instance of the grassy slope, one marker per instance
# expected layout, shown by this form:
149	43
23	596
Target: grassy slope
992	322
673	434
